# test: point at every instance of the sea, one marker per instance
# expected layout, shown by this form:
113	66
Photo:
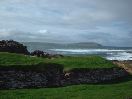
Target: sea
110	53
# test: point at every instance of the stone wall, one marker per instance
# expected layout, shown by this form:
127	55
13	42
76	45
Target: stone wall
52	75
21	79
48	75
93	76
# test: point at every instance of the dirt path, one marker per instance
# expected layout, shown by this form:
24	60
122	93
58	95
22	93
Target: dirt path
127	65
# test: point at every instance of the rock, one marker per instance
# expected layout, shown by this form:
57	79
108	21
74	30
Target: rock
39	53
43	54
13	47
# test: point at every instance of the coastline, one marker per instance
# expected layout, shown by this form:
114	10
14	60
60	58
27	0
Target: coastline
81	75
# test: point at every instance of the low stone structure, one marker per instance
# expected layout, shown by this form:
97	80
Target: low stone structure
13	47
52	75
93	76
49	75
21	79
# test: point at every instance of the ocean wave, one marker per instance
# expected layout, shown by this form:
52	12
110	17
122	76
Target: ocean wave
120	56
110	54
88	50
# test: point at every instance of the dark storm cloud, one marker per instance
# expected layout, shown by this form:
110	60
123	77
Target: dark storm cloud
107	22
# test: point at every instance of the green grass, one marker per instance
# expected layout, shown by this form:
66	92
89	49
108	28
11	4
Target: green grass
82	62
67	61
111	91
18	59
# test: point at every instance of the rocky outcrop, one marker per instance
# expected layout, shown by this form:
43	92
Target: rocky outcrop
13	47
43	54
16	47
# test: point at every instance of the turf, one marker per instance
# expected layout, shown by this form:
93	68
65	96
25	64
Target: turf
68	62
18	59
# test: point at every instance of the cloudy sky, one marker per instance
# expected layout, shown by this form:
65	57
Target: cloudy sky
108	22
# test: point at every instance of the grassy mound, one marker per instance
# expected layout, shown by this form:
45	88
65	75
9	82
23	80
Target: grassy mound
8	59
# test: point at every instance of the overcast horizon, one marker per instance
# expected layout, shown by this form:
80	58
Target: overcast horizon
107	22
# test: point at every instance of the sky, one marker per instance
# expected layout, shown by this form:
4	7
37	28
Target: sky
108	22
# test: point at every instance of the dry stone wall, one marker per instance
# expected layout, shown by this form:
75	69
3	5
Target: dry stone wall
52	75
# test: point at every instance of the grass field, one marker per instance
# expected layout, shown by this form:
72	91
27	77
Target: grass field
122	90
67	61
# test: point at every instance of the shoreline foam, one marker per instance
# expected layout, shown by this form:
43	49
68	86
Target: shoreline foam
110	54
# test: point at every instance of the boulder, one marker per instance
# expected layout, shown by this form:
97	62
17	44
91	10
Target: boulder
43	54
39	53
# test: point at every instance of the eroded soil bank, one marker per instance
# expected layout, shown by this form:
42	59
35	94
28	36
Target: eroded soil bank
127	65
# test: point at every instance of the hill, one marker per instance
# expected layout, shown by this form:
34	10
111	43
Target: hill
43	46
84	45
